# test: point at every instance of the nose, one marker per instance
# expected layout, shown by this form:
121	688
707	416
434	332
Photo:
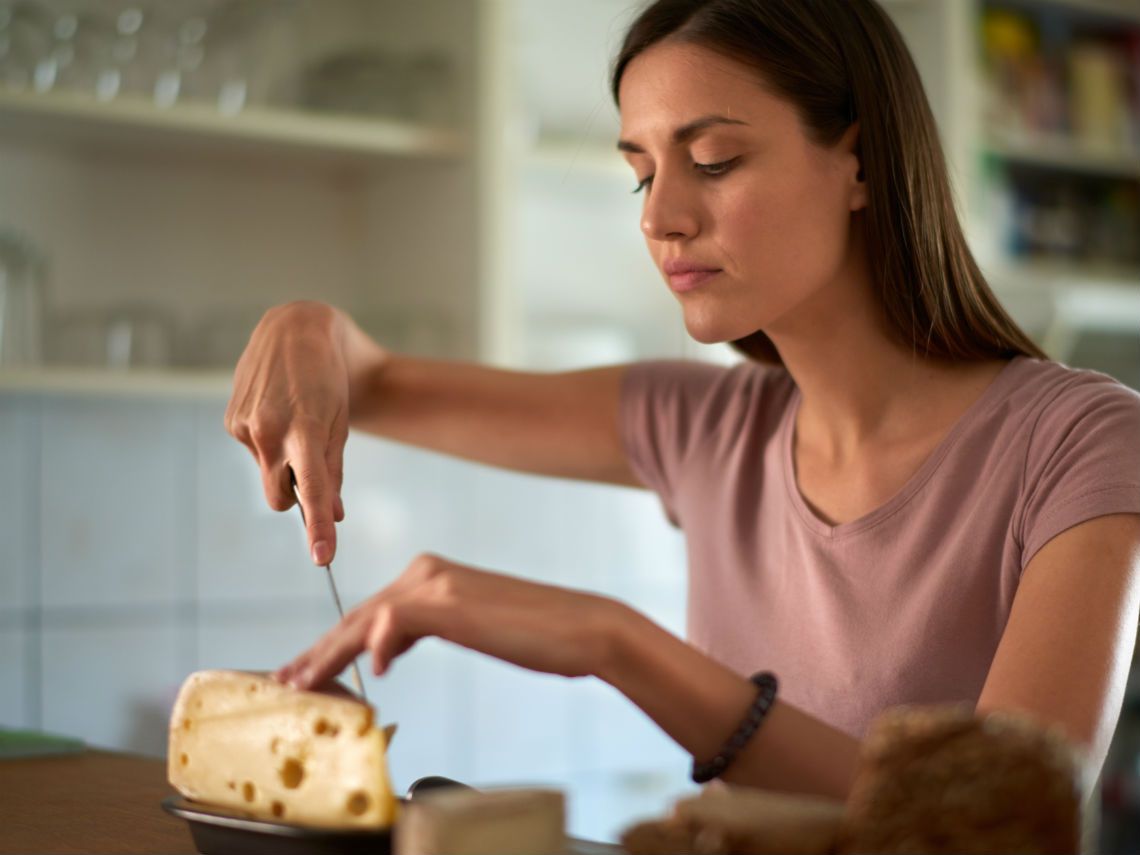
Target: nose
670	212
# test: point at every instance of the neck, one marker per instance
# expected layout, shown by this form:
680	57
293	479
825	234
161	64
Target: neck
860	386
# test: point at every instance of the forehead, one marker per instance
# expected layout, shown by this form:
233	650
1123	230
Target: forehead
673	82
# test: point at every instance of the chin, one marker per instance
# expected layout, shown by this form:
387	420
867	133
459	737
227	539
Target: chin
716	330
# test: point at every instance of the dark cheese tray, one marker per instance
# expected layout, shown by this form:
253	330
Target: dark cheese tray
218	831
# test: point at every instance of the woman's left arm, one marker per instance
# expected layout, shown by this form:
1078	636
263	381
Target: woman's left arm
1067	648
692	697
1064	656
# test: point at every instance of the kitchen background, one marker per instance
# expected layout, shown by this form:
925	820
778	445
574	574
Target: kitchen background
445	170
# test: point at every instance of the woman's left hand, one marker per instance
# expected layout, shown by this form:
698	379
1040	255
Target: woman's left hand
541	627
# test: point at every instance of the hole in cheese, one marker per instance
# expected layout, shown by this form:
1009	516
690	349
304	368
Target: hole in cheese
231	785
321	727
275	745
334	730
358	803
278	809
252	688
186	724
184	758
292	772
248	791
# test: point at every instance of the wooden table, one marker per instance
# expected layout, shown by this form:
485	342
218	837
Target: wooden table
94	801
100	802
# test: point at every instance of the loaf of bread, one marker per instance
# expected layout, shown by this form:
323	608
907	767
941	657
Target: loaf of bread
937	779
942	779
726	820
246	742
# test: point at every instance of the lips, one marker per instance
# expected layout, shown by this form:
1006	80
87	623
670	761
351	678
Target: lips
685	275
682	282
676	266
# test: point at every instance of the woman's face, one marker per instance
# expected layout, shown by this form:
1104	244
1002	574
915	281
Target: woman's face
733	186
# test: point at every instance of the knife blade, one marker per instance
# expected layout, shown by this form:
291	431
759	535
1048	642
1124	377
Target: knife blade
356	679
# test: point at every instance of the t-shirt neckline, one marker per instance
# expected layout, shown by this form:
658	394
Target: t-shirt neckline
929	466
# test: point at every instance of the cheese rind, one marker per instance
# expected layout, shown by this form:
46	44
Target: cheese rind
244	741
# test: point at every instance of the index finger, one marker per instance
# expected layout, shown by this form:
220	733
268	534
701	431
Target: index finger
332	653
311	487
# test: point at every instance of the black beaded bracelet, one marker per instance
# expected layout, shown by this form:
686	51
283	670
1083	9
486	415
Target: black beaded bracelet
766	696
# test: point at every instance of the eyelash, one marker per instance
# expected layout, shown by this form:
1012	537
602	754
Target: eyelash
711	170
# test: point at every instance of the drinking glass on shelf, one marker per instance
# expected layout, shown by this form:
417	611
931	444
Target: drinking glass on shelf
25	37
21	297
120	59
239	32
221	335
121	337
178	38
81	51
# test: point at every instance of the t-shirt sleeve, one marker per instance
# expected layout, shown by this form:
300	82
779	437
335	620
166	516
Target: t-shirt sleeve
665	415
1083	461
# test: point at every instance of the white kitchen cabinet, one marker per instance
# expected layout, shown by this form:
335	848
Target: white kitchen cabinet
199	220
506	234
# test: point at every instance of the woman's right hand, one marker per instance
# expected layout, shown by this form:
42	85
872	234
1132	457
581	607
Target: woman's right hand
290	407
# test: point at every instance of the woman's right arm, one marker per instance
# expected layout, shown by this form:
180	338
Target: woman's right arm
309	372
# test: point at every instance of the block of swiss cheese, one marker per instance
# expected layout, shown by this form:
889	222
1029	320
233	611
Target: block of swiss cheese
483	822
244	741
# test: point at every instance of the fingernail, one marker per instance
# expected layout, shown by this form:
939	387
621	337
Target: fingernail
322	553
302	679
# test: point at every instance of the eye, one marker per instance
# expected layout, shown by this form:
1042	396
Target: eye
712	170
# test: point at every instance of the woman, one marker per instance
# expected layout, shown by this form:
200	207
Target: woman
897	499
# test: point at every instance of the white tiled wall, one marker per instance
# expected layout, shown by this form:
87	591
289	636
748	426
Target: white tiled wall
19	486
143	532
245	552
111	679
13	662
113	490
427	694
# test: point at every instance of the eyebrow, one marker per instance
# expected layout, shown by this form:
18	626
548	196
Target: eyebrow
684	133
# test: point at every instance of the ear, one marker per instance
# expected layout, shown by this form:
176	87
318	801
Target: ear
853	159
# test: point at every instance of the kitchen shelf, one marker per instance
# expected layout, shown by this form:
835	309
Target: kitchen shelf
101	382
1070	275
1063	154
1125	9
136	122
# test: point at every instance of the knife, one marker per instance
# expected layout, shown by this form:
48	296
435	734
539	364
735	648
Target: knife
332	586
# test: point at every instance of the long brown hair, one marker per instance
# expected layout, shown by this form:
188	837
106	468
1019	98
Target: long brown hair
838	62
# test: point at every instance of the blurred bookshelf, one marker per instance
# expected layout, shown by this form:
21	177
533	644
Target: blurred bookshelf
1054	160
1044	128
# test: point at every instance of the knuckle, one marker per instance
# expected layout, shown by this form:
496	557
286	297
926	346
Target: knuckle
264	431
384	618
239	430
428	566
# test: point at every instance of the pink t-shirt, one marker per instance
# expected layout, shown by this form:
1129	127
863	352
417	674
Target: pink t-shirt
906	604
